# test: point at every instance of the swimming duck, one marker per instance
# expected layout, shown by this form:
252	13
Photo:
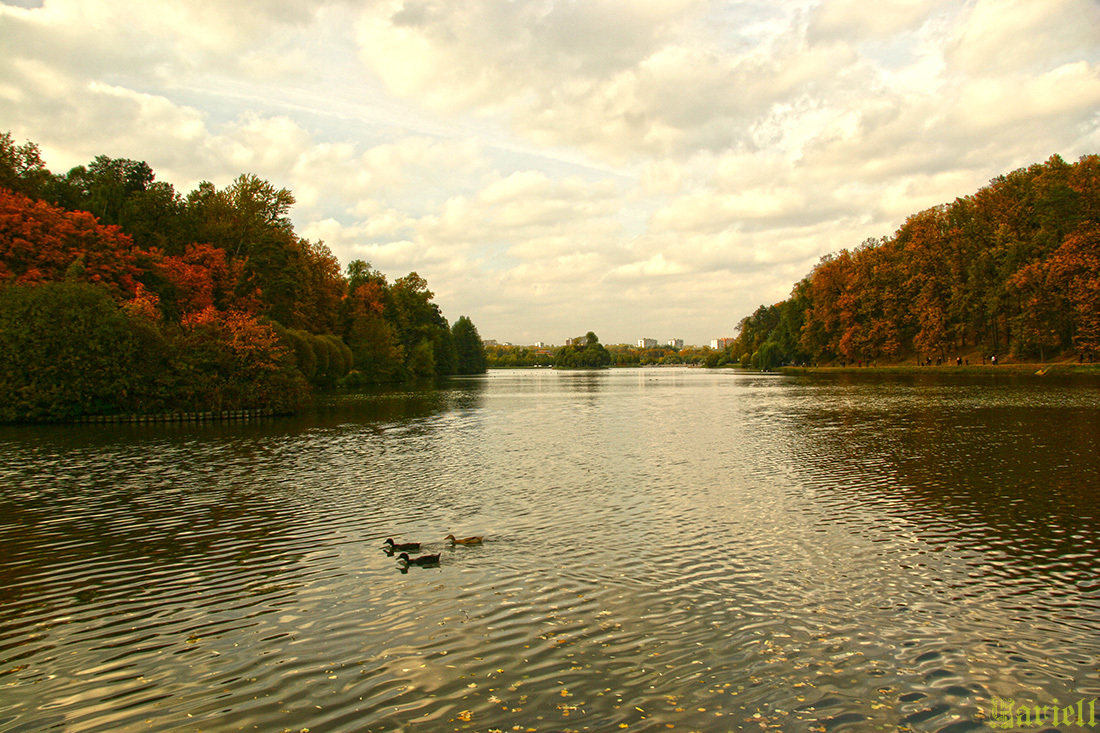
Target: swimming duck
393	546
422	560
465	540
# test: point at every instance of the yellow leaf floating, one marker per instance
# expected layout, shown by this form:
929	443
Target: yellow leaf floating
465	715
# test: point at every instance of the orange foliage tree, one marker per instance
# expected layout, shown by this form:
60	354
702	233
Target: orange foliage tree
1013	266
43	243
230	361
205	277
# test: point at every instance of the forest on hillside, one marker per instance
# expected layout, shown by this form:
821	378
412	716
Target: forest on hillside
1013	269
120	295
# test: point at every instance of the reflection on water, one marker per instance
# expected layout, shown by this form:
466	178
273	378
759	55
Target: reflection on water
665	549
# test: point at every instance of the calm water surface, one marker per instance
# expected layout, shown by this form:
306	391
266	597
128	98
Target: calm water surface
666	549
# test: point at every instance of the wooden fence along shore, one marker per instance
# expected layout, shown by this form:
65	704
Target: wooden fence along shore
212	416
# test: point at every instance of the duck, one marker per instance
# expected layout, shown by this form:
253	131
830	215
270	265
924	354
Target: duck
465	540
422	560
392	546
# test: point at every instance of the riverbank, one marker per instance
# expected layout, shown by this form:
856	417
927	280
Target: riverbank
1013	368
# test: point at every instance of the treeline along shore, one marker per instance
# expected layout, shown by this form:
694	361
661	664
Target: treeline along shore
121	296
1011	271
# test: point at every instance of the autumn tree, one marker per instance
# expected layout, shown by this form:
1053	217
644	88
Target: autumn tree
206	274
43	243
204	277
994	270
250	220
1073	273
231	360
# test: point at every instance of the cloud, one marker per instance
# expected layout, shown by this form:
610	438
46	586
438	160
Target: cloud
645	168
605	76
852	21
998	36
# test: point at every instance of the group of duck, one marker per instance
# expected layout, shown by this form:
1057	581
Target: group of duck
406	547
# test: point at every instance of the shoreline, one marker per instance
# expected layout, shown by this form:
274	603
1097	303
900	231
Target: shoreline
1014	369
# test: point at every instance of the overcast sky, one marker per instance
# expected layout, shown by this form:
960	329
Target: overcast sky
630	167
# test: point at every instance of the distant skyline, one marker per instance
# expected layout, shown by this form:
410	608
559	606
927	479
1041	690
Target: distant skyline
553	167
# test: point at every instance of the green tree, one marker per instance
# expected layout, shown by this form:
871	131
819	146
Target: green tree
104	186
21	167
768	356
421	329
469	347
67	349
583	353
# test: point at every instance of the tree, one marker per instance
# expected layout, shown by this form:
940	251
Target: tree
21	167
1073	272
104	187
469	347
583	353
231	360
325	287
998	269
421	328
67	349
377	355
204	277
43	243
768	356
250	220
212	271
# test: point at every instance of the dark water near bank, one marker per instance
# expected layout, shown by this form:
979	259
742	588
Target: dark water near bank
666	549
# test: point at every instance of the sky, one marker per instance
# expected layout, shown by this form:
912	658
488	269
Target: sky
635	168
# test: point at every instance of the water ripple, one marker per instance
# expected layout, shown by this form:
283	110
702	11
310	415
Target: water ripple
666	549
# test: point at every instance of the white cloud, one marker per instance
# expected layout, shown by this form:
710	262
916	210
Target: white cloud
851	21
998	36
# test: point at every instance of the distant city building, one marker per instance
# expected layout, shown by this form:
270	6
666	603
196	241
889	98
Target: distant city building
488	342
676	343
647	343
542	345
722	342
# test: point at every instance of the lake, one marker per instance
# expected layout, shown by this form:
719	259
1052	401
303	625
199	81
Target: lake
665	549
